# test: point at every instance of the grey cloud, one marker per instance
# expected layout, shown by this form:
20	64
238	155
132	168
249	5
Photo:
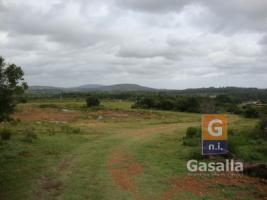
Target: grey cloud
154	5
263	40
155	43
226	16
57	24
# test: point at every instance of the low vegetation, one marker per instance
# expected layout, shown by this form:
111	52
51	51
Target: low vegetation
132	153
248	144
92	101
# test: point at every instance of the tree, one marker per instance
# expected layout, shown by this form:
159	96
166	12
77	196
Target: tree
145	102
92	101
12	85
187	104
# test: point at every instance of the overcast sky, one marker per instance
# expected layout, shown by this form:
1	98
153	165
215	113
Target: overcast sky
157	43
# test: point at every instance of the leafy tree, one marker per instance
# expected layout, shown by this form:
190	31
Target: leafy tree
165	104
187	104
92	101
12	85
145	102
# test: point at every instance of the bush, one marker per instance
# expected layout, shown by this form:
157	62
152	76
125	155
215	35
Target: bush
70	130
145	103
29	136
192	137
5	134
48	105
76	130
251	112
263	123
187	104
193	132
92	101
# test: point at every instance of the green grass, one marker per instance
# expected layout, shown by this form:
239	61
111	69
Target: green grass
122	104
153	138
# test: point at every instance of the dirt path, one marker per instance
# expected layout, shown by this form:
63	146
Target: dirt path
124	167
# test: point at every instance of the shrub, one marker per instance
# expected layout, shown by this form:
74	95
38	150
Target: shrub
5	134
92	101
187	104
29	136
145	102
251	112
70	130
48	105
193	132
263	123
192	137
76	130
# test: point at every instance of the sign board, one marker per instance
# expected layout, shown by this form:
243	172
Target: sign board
214	134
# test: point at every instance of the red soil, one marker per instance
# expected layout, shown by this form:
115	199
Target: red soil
123	168
36	114
203	185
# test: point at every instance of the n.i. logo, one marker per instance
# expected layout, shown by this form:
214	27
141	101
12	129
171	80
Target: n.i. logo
214	134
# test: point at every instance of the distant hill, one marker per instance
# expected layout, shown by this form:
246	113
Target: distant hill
45	89
90	87
124	87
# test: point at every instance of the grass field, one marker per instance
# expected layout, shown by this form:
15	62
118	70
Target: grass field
112	153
